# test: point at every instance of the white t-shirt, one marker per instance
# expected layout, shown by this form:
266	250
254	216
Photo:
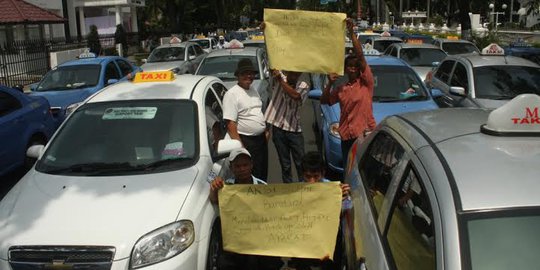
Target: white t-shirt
245	108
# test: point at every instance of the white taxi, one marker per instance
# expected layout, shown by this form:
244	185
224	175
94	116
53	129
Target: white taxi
447	189
486	80
123	184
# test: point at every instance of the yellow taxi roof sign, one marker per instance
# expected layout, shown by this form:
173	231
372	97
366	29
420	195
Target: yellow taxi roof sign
452	37
154	76
258	37
201	36
415	41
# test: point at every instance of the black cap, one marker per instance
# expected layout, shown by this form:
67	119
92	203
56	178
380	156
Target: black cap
244	65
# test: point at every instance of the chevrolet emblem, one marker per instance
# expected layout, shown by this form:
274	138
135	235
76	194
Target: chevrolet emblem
59	265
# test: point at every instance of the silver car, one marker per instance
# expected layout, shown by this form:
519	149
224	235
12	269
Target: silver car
421	57
380	43
182	58
222	64
446	189
455	46
488	81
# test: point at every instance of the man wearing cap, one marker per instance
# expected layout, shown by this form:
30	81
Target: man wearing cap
240	162
221	43
241	167
242	110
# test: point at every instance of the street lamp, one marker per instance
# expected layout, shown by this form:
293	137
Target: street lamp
492	7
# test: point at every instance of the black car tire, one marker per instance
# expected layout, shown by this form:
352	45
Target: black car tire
215	248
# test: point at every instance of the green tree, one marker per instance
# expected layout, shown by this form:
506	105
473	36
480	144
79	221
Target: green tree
92	40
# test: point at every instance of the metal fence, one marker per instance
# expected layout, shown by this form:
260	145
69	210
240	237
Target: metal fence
26	61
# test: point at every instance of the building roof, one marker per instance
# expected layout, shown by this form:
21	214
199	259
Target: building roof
21	12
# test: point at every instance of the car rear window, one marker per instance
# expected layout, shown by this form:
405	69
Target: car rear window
458	48
167	54
224	67
422	56
502	241
506	82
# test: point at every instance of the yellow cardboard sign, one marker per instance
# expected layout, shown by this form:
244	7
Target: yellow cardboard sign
305	41
155	76
289	220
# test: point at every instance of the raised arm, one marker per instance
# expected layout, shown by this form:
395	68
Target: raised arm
356	44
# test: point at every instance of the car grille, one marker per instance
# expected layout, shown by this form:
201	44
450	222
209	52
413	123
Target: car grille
61	257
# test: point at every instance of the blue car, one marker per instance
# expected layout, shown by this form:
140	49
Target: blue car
24	121
72	82
528	52
398	89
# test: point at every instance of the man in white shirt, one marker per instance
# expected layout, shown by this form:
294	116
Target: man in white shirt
242	111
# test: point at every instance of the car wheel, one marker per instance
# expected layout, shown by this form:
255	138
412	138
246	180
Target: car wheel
35	140
215	248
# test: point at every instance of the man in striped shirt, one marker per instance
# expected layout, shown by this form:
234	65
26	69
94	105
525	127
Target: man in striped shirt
283	115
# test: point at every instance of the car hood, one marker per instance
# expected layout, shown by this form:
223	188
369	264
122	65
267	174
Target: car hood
66	97
45	209
156	66
422	71
384	109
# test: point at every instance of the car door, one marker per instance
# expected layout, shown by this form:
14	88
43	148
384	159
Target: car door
215	127
13	121
460	78
441	80
125	67
370	185
409	233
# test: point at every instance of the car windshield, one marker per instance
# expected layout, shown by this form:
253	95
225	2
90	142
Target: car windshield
381	44
223	67
396	84
458	47
498	242
506	82
421	56
70	77
166	54
205	43
122	138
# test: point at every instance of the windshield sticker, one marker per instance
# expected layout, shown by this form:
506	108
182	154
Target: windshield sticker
144	153
173	150
51	158
130	113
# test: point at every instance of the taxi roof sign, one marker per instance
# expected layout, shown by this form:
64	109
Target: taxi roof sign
493	49
518	117
87	54
415	41
452	37
155	76
371	52
386	34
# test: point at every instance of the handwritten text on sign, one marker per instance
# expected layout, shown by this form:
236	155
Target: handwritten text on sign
289	220
305	41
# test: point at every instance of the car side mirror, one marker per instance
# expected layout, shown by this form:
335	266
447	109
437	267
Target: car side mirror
33	86
435	93
35	151
315	94
225	147
266	73
435	64
192	57
144	60
112	81
458	91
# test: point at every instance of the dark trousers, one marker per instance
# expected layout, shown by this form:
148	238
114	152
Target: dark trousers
289	143
258	148
345	147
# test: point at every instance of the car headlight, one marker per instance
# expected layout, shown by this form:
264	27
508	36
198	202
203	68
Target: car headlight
71	108
334	129
163	243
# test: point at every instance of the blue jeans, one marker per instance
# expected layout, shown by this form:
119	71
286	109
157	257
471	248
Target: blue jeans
289	143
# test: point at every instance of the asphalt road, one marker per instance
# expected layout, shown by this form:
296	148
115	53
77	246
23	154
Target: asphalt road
274	169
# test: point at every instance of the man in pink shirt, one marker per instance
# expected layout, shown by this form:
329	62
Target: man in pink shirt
354	97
